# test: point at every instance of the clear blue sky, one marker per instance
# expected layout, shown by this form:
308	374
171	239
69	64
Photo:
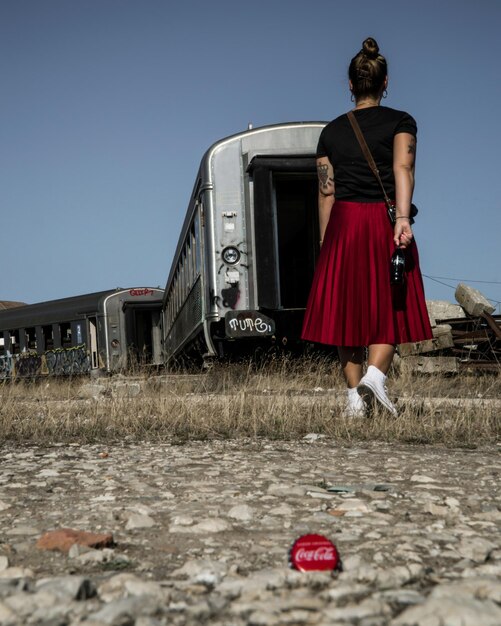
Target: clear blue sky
107	107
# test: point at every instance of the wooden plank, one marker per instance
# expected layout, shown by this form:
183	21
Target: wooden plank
492	324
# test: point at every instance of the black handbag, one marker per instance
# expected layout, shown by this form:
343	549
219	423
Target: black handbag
390	206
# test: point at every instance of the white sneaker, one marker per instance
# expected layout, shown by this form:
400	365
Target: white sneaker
372	387
355	406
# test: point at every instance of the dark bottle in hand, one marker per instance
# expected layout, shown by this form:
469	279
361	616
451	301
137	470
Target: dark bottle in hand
397	267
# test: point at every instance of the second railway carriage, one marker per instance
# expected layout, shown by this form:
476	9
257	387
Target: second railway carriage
245	258
105	331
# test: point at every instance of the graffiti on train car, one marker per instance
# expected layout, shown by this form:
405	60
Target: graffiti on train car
28	364
57	362
6	365
66	361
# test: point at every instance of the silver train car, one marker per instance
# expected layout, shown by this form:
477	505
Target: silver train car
244	262
106	331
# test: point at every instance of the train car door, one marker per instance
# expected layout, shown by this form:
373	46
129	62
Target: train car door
94	360
143	332
286	229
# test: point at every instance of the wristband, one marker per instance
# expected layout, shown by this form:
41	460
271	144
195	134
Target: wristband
402	217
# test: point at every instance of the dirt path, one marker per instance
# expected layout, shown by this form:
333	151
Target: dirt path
202	533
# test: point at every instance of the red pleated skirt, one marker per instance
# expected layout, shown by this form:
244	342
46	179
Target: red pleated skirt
352	302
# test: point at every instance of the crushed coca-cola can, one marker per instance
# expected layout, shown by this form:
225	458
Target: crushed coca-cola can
314	552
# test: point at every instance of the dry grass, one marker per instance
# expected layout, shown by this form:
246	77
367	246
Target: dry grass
283	399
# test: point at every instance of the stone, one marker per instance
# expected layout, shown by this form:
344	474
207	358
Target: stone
441	310
473	301
212	525
62	539
351	505
203	571
481	588
475	548
442	339
421	478
7	615
14	573
4	563
241	512
429	365
125	610
451	611
137	521
68	587
123	585
368	608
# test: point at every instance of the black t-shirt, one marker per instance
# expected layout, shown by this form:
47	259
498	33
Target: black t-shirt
353	179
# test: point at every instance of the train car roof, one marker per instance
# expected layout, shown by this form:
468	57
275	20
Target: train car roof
203	163
52	311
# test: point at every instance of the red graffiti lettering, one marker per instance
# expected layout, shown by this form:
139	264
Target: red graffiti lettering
141	292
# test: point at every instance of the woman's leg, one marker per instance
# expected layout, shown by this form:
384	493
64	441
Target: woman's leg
352	359
381	356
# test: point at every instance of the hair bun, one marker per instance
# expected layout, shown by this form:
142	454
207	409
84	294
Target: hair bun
370	48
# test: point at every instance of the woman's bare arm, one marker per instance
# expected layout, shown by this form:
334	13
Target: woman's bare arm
325	173
404	158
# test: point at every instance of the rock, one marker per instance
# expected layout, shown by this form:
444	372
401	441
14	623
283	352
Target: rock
479	588
7	616
350	506
92	390
443	310
68	587
136	521
124	585
125	611
4	563
15	573
399	576
451	611
241	512
212	525
312	437
64	538
202	571
366	609
421	478
473	301
475	548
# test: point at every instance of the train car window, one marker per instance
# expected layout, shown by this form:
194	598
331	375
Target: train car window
65	335
189	270
31	339
15	344
198	251
48	335
193	252
2	346
182	277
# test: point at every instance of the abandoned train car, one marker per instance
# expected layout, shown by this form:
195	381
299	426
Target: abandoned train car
245	258
104	331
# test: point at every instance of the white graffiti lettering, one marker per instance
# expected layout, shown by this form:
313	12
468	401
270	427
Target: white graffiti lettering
257	325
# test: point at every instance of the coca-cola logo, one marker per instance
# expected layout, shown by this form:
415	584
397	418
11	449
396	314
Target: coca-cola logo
320	554
141	292
314	552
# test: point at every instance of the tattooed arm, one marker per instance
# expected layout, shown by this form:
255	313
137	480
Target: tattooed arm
325	193
404	156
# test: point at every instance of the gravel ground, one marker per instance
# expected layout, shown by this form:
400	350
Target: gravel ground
202	533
